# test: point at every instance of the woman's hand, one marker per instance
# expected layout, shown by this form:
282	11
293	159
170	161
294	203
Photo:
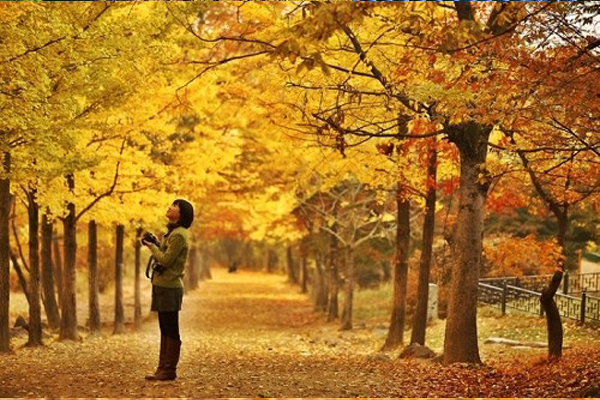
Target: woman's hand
148	235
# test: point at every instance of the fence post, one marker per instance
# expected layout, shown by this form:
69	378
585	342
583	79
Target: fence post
566	283
583	301
504	295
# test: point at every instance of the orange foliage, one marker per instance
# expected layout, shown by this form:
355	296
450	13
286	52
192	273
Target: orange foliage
514	256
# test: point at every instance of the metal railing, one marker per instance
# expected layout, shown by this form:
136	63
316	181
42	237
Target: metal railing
583	308
572	283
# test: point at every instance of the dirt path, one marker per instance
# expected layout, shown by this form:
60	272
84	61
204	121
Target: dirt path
251	335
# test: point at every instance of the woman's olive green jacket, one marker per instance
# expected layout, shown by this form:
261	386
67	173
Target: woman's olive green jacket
172	254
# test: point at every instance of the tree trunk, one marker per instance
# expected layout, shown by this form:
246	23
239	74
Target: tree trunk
291	270
68	321
563	226
58	274
48	274
5	206
332	312
205	265
553	321
196	267
271	261
420	317
304	281
395	335
346	323
35	307
192	274
320	286
93	295
137	302
460	343
119	312
385	267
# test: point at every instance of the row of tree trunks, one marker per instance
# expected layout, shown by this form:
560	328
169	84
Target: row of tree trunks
49	294
5	207
44	275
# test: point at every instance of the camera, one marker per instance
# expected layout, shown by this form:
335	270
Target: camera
150	238
158	268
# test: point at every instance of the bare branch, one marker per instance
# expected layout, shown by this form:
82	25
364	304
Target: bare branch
109	191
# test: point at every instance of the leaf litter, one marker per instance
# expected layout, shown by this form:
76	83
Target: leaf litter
253	335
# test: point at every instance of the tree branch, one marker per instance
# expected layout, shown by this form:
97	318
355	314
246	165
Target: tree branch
109	191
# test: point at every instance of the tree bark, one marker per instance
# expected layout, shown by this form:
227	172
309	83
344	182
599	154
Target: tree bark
320	287
395	335
119	311
385	267
196	267
304	280
346	320
137	302
93	295
68	321
460	344
271	261
58	274
205	265
193	269
48	274
332	312
35	307
420	317
553	321
5	206
291	270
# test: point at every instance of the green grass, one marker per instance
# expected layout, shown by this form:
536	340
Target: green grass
372	308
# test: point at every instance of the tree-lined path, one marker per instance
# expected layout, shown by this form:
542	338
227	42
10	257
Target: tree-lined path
350	154
248	334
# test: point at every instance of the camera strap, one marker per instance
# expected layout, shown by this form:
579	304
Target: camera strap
150	275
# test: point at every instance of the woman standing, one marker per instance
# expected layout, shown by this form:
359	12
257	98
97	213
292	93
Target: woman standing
167	285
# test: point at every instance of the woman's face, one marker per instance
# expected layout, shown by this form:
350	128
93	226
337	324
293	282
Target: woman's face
173	213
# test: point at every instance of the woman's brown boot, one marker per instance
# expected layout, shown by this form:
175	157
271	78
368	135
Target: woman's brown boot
169	372
161	359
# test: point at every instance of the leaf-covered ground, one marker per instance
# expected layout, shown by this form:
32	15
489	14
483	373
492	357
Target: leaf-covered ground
251	335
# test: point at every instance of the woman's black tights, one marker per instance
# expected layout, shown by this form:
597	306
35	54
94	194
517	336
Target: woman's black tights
169	324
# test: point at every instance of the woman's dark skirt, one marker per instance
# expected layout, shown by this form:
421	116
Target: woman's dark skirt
166	299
